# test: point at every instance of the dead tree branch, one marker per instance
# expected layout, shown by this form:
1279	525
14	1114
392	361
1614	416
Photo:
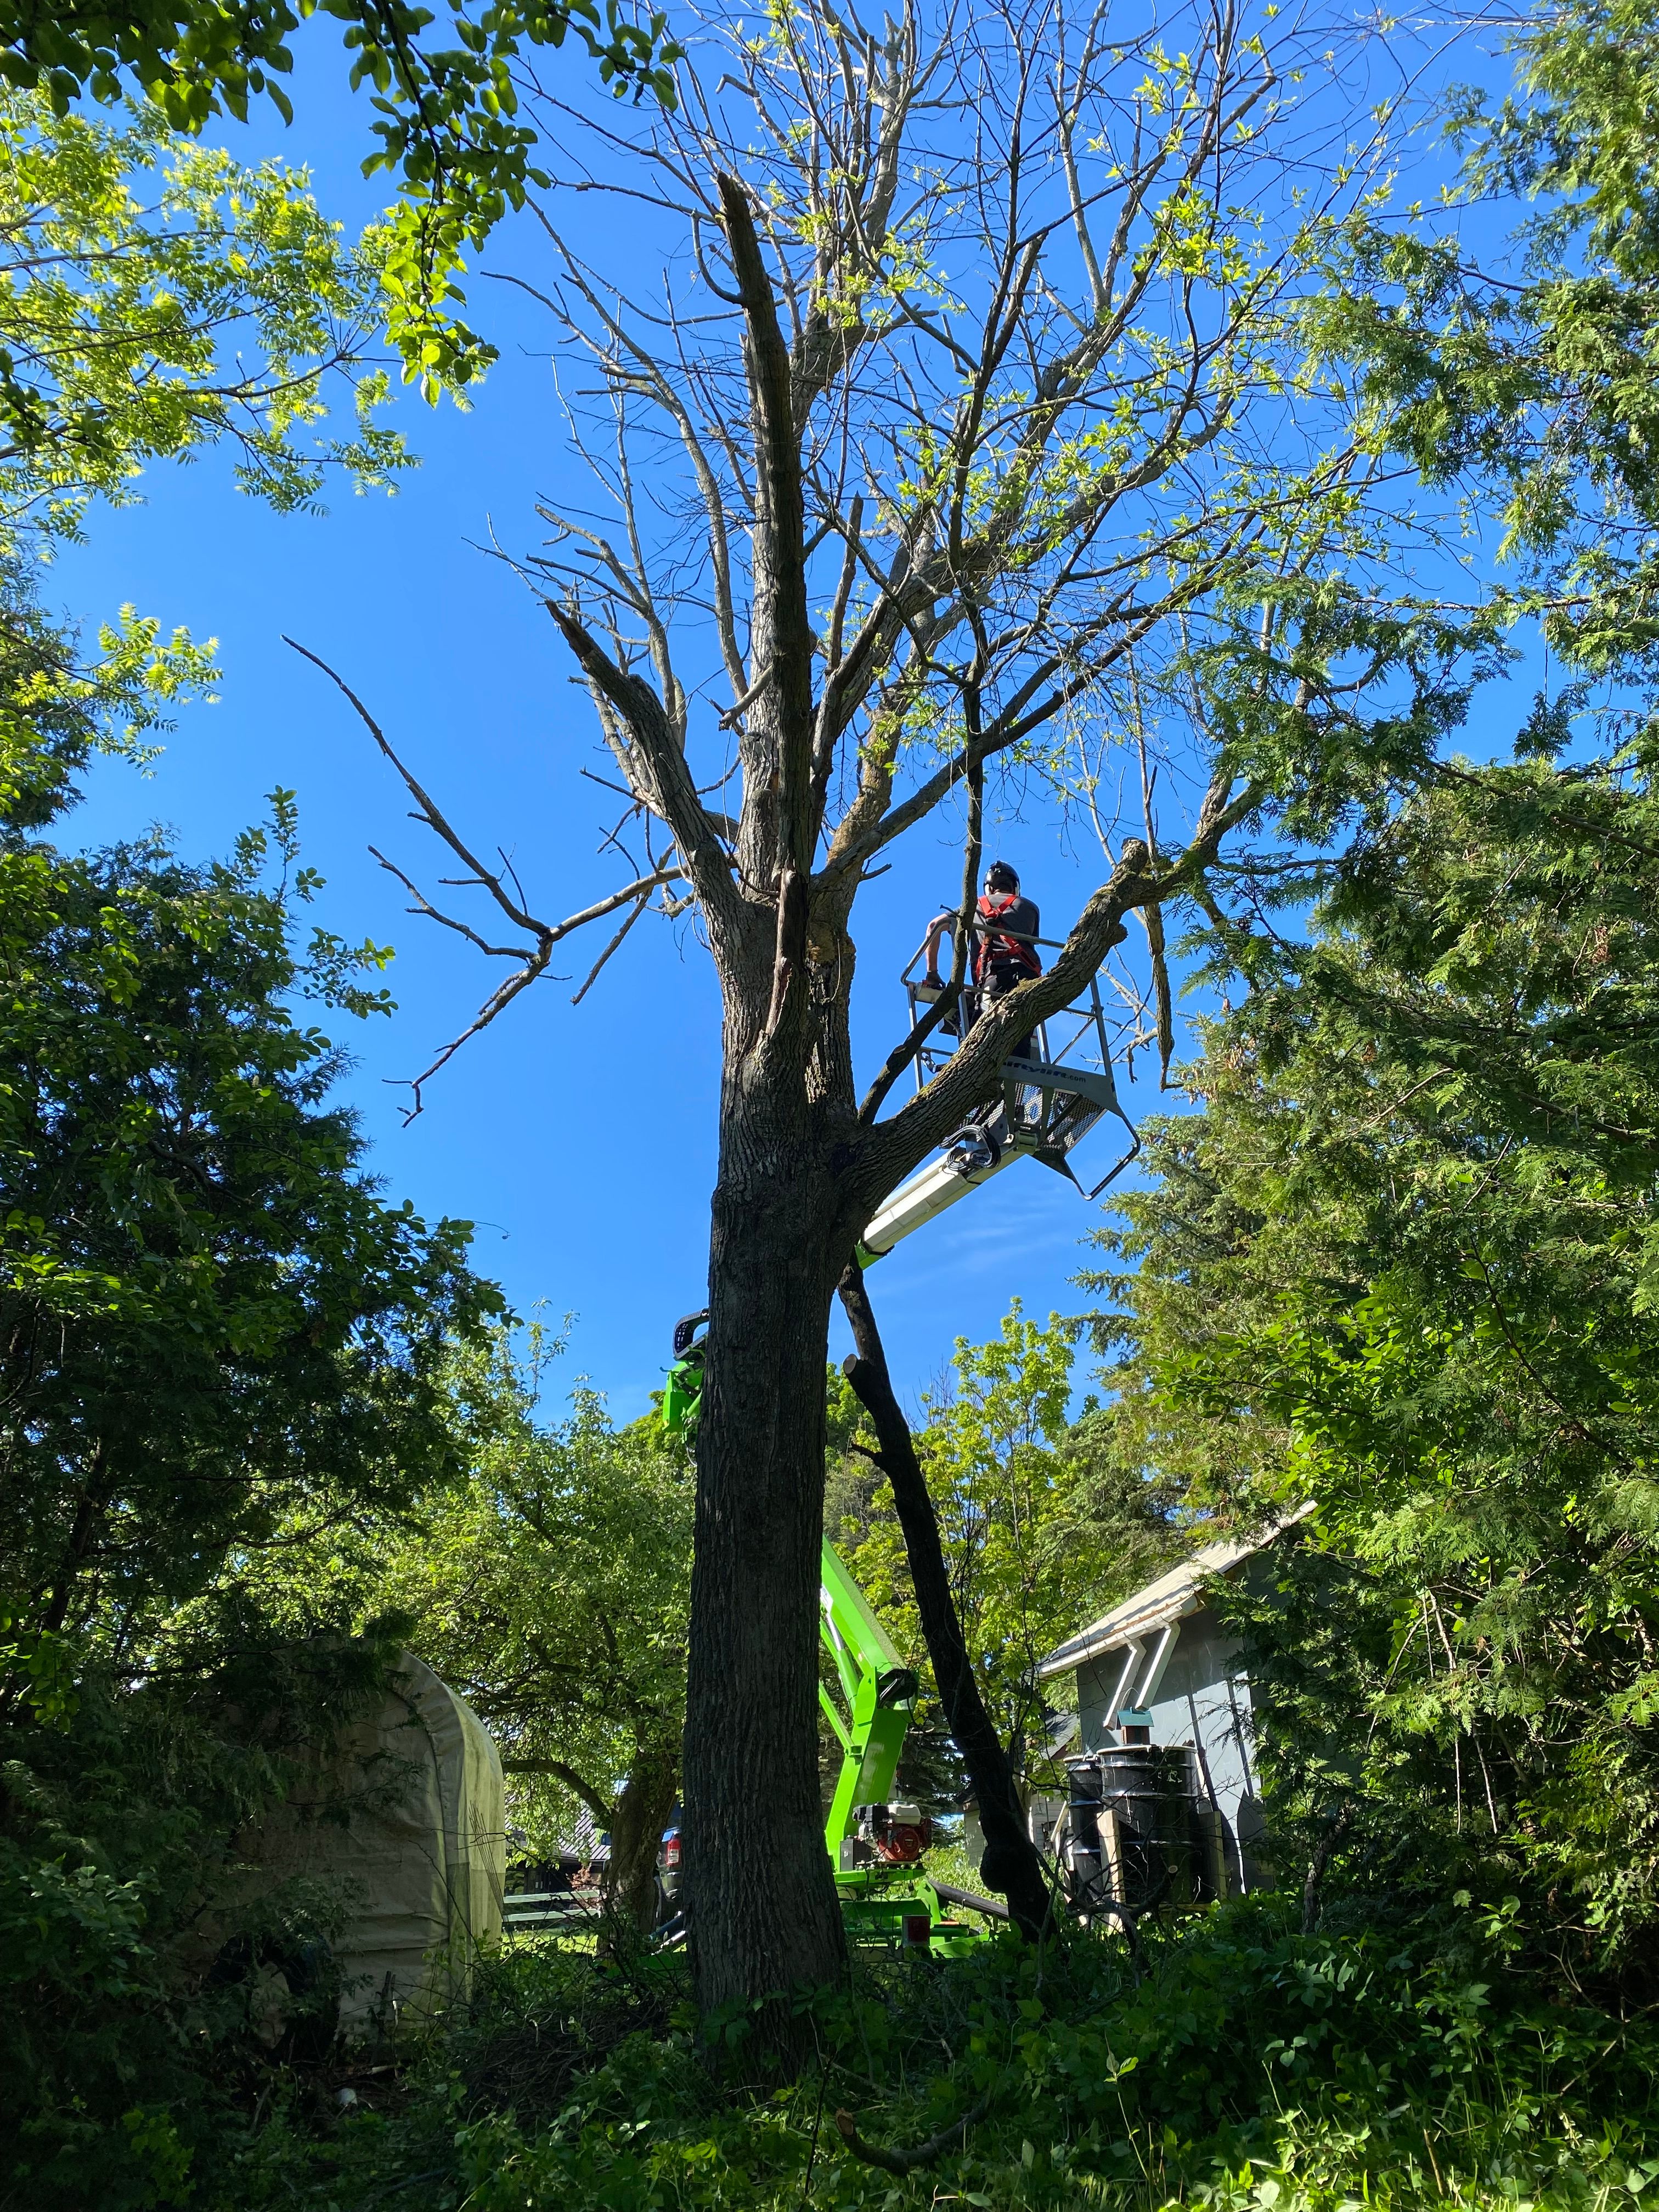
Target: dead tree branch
923	2153
534	958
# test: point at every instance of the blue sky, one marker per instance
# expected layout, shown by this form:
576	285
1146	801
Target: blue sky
580	1141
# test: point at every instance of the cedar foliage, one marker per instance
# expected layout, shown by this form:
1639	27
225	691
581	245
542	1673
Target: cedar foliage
1404	1265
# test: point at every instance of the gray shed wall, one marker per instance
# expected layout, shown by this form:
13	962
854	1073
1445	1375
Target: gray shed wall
1203	1700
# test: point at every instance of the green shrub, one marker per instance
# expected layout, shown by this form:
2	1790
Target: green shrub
1244	2065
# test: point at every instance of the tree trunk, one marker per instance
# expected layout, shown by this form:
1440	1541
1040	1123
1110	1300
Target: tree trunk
1011	1865
762	1916
636	1825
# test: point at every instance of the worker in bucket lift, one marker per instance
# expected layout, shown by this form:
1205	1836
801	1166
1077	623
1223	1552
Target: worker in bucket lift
1005	954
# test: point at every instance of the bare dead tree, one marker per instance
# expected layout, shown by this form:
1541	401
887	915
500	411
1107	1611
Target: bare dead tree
971	380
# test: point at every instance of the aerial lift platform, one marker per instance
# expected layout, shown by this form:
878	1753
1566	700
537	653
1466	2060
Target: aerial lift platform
1050	1100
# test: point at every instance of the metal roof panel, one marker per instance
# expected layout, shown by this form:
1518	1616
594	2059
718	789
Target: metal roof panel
1177	1592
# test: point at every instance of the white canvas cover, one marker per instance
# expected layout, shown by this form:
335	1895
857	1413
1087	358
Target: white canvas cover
421	1854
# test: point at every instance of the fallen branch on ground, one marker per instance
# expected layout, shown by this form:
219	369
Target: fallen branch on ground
906	2161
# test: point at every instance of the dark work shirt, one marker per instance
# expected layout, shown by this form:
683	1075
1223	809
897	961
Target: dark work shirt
1021	920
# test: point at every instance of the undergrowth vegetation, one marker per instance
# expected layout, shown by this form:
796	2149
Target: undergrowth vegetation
1240	2064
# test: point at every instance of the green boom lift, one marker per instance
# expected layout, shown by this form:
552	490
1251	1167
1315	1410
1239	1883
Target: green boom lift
876	1844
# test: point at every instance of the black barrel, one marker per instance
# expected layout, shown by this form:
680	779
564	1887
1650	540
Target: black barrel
1087	1869
1151	1789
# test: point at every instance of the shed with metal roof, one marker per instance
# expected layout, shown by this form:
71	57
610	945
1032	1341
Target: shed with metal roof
1166	1655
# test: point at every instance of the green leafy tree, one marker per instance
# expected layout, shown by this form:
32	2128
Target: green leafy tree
446	115
218	1339
1516	368
214	1331
156	297
206	1310
1404	1265
552	1588
548	1584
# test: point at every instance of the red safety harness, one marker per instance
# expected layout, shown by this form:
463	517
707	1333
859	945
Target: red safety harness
998	948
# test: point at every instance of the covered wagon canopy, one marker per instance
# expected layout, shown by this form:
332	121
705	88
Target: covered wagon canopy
402	1819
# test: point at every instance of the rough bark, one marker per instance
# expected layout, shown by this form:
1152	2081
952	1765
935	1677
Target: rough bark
760	1899
636	1824
1011	1865
761	1914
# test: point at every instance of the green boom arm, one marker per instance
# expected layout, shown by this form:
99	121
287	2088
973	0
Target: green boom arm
880	1692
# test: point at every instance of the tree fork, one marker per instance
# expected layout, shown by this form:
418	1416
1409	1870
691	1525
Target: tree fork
1011	1865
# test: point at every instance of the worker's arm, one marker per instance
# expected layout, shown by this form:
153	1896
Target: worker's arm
937	931
1029	926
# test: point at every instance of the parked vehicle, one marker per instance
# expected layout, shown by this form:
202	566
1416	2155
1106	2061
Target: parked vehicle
668	1867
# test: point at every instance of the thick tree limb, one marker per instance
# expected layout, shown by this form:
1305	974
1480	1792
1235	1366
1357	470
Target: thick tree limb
777	829
1152	913
782	640
827	726
597	1803
1011	1865
789	960
658	770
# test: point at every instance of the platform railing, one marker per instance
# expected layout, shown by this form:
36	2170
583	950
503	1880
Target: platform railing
1052	1096
1074	1035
